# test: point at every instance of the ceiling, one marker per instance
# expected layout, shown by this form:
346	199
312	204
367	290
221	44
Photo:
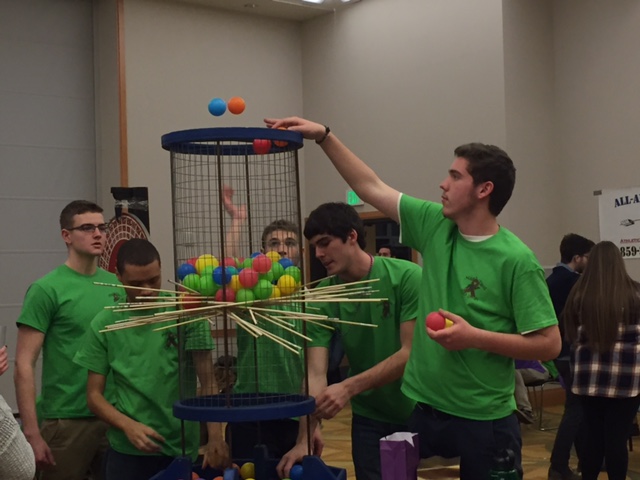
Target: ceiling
294	10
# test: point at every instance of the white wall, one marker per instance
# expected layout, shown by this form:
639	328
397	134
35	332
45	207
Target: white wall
532	212
597	68
180	56
403	83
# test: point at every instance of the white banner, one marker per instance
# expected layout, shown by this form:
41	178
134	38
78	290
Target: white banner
620	219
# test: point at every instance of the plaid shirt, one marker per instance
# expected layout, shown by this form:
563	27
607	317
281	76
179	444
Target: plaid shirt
612	374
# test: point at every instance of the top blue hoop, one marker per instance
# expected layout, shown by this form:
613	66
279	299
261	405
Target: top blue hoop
211	141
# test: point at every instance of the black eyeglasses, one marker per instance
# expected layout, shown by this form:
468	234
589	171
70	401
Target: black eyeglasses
90	228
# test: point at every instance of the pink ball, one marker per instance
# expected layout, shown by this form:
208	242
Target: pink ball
262	264
248	277
225	294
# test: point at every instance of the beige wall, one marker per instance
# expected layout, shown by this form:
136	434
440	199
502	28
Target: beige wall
105	41
178	57
403	83
597	67
530	127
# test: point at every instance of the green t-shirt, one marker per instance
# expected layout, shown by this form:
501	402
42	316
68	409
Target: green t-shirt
496	285
61	305
265	366
365	347
144	368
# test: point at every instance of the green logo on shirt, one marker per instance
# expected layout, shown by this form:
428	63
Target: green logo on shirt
171	340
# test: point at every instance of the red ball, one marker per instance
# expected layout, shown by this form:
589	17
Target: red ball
188	302
261	264
225	294
261	147
435	321
228	262
192	261
248	277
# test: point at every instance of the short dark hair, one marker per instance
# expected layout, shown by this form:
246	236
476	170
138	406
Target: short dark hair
77	207
573	244
136	251
337	219
488	163
281	224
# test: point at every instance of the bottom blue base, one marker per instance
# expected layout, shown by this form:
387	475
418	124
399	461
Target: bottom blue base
313	468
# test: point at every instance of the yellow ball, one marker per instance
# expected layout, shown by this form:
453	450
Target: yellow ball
273	256
248	470
275	293
287	284
235	283
206	260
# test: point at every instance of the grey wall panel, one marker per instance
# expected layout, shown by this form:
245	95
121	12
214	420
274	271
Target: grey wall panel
47	140
45	172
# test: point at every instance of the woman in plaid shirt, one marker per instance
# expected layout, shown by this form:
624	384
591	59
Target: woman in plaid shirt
602	320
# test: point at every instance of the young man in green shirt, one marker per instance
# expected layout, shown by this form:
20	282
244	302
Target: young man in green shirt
377	356
481	277
145	436
55	315
264	366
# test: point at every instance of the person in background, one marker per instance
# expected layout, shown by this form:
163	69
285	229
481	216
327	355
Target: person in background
574	254
602	322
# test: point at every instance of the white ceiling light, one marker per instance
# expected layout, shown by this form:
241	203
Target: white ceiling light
313	1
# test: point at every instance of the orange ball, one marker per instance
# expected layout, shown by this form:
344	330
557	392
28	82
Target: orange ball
280	143
236	105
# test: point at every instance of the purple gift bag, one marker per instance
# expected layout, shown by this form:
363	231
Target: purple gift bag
399	456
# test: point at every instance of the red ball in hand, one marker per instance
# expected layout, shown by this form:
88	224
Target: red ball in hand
436	321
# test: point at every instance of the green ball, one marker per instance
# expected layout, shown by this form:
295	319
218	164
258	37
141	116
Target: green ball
294	272
267	276
277	270
208	270
247	263
263	289
245	295
207	286
192	281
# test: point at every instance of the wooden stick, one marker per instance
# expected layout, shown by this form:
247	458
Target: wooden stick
183	286
102	284
295	332
179	324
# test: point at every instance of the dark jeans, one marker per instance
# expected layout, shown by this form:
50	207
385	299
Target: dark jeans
569	430
365	445
279	436
476	442
607	424
120	466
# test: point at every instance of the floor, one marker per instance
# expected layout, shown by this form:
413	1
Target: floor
535	454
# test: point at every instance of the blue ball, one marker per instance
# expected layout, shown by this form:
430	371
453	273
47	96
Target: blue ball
255	254
285	262
217	107
222	275
296	472
185	269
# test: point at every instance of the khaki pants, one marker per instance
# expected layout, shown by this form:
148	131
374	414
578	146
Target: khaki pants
78	446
